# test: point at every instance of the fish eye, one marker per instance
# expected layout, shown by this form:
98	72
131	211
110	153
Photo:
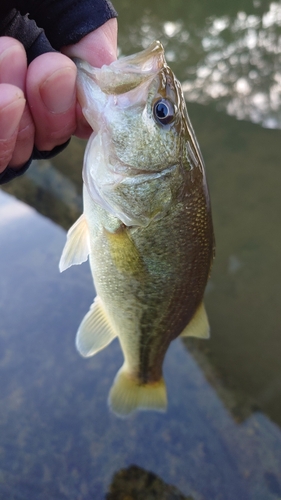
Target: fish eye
163	111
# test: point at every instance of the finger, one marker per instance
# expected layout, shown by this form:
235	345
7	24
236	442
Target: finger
12	62
12	103
97	48
83	129
51	93
25	140
13	68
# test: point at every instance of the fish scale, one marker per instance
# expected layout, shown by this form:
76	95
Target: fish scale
146	226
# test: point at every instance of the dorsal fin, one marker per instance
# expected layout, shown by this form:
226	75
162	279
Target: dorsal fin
95	331
76	249
198	325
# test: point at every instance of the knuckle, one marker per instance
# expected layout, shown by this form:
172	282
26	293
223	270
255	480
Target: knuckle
54	138
7	42
24	141
26	134
6	151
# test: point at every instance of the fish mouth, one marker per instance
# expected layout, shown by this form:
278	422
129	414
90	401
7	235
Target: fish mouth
128	72
147	60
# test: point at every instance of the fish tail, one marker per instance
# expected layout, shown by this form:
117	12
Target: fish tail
127	395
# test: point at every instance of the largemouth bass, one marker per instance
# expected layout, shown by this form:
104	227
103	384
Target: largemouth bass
146	225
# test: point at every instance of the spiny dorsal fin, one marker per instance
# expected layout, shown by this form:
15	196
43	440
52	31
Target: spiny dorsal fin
76	249
95	331
199	325
127	395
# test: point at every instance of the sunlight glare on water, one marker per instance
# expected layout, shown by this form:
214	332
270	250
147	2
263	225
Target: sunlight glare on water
224	61
254	52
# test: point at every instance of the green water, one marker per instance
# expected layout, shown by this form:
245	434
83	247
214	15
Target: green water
227	56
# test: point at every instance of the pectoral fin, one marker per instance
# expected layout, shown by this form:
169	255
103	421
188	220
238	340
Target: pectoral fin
76	249
124	253
95	331
199	325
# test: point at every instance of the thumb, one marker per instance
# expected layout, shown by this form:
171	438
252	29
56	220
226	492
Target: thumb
98	47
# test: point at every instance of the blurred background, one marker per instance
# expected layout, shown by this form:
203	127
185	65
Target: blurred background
227	56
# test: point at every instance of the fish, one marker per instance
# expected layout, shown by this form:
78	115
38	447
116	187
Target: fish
146	225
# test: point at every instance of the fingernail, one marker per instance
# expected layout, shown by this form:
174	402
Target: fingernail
54	93
10	117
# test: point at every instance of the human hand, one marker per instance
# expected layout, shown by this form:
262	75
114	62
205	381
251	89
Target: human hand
38	103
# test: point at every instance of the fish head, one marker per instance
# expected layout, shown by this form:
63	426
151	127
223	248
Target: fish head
137	111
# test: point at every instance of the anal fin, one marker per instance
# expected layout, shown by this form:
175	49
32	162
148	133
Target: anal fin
198	325
95	331
76	249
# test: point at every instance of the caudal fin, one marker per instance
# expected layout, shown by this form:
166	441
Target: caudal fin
126	395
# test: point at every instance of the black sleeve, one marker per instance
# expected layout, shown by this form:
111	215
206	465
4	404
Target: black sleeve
67	21
27	32
64	21
46	26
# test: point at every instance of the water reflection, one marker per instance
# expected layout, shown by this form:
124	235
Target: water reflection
57	438
241	66
52	191
11	211
232	60
136	483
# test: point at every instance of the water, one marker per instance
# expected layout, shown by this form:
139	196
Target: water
221	436
226	55
58	439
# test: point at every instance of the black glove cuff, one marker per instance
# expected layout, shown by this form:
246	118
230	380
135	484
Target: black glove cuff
26	31
35	43
10	173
